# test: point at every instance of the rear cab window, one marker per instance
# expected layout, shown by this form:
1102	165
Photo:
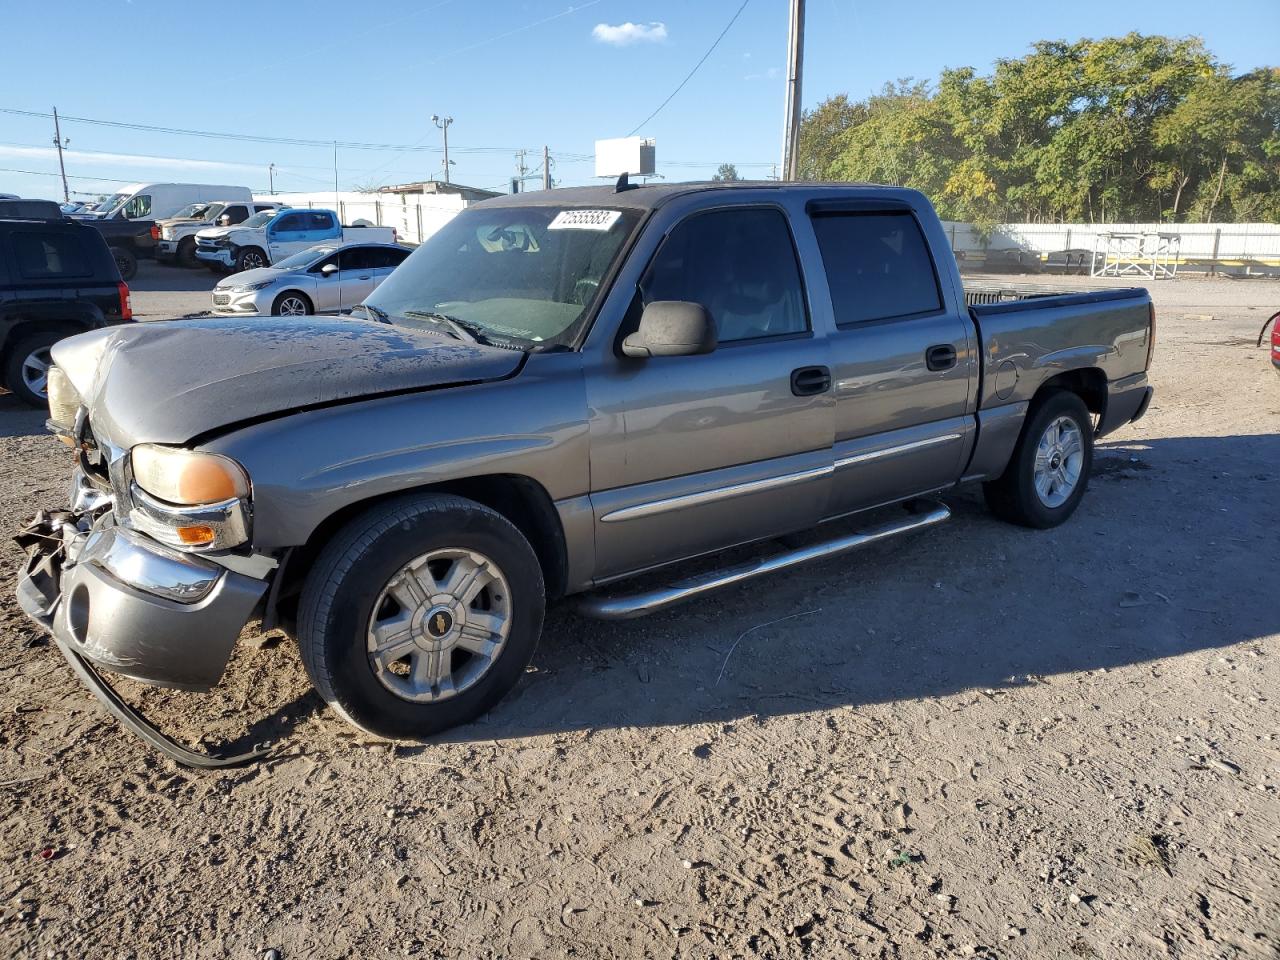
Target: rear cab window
878	266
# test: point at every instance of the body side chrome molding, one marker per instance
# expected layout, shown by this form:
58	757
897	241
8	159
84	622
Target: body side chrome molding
712	496
894	451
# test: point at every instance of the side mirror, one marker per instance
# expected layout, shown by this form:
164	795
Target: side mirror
672	328
329	269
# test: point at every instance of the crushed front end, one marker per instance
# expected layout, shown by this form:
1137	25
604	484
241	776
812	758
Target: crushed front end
133	583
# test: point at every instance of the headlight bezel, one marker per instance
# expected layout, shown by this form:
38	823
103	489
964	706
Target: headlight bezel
195	518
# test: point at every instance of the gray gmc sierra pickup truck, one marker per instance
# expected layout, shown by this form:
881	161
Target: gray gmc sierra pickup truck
555	392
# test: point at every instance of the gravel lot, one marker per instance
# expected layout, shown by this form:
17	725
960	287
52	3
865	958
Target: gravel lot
983	741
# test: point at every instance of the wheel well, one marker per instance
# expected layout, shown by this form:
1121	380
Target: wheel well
25	328
297	293
1088	383
521	500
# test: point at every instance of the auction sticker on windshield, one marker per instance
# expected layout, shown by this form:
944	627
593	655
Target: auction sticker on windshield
585	220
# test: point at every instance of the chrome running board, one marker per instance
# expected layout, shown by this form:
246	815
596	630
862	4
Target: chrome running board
628	606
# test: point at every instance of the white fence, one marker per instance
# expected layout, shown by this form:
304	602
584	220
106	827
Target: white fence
1248	246
415	216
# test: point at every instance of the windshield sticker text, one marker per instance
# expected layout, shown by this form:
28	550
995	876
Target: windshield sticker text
601	220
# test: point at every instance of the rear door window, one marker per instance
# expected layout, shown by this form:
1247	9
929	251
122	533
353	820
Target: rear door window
319	221
387	257
49	255
878	266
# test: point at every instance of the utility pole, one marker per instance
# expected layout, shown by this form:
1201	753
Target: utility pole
546	169
60	143
442	123
795	68
335	176
271	179
517	182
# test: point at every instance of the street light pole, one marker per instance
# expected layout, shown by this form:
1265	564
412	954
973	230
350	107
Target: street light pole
442	123
795	67
271	179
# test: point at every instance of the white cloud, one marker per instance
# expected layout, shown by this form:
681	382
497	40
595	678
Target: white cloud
98	158
625	34
773	73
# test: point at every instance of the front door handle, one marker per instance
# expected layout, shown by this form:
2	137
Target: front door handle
940	357
810	381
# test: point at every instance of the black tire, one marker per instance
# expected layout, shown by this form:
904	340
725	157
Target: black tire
348	578
278	307
35	344
1014	497
249	258
126	262
186	255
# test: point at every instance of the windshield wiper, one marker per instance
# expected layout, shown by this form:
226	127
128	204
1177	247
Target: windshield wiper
375	313
460	329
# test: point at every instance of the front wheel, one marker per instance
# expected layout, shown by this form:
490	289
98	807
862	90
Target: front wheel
186	255
26	371
126	262
420	614
1049	471
291	304
250	258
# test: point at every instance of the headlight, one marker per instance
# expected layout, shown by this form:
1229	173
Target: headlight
63	399
187	477
246	287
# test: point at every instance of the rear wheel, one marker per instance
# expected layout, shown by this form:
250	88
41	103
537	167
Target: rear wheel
420	615
1049	471
126	262
26	370
291	304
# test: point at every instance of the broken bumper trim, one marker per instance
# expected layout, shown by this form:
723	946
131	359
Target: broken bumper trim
135	608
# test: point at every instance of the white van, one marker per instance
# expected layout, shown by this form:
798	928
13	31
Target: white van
155	201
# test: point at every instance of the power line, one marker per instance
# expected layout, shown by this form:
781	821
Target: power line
710	50
250	138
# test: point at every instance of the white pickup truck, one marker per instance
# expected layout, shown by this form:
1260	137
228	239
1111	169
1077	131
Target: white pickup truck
177	235
268	237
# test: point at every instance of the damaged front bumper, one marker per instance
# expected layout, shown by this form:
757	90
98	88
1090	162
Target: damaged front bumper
129	605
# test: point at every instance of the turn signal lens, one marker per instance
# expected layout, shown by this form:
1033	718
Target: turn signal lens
196	535
187	477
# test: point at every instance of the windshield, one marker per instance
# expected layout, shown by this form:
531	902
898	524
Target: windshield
113	201
523	274
258	219
191	211
304	259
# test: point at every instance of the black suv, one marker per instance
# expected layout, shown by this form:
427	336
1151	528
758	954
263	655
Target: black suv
57	278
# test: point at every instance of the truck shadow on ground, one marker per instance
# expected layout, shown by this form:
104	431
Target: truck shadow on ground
1168	555
19	420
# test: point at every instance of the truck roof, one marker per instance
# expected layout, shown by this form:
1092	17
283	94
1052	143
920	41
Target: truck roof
651	195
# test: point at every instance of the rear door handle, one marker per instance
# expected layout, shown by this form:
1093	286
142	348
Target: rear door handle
810	381
940	357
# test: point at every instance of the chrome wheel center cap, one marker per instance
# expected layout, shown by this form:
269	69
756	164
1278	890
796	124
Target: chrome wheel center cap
437	625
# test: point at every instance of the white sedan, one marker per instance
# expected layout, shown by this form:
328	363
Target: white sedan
320	279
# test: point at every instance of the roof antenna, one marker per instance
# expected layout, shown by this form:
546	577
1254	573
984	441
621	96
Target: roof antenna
624	184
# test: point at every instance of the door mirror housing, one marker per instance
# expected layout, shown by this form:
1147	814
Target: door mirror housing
329	269
672	328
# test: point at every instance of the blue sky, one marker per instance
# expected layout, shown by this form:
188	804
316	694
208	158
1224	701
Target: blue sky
512	74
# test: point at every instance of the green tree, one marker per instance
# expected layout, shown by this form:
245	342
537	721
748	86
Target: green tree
726	172
1135	127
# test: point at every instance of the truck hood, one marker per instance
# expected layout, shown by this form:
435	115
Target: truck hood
211	232
170	381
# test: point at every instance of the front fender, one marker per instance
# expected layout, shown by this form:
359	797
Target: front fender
307	466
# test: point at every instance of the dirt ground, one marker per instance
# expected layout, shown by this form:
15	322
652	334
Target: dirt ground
984	741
